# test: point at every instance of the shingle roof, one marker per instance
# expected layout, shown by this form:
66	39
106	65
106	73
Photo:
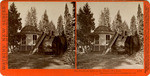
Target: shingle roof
103	30
30	30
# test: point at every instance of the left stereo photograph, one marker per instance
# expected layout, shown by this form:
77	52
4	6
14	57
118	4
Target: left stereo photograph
41	35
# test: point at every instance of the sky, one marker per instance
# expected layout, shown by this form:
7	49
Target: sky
54	10
127	9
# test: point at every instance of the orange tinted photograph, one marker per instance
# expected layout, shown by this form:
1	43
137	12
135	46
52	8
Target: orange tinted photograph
110	35
41	35
74	38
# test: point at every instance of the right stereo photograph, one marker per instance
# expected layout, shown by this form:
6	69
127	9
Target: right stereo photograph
110	35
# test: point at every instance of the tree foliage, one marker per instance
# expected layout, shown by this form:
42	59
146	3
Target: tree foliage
118	18
140	23
60	27
44	22
68	27
85	23
14	24
126	30
117	24
52	28
85	19
31	18
104	19
133	26
139	57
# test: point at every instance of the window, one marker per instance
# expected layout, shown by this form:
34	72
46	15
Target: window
34	39
24	40
97	40
107	37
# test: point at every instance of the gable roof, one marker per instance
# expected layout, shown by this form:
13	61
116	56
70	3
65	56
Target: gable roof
30	30
103	30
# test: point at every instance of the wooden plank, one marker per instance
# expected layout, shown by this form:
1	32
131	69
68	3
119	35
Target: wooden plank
111	43
40	39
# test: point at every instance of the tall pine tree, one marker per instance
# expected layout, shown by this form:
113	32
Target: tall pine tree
14	24
105	18
85	23
60	27
52	28
133	26
44	22
117	24
31	18
140	23
68	27
139	57
102	19
126	30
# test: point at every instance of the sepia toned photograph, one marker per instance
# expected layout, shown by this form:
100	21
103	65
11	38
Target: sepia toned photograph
41	35
110	35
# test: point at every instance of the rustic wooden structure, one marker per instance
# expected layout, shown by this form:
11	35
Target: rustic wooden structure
102	37
29	37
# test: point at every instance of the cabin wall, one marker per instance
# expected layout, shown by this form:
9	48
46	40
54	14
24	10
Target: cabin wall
29	43
101	46
102	39
29	39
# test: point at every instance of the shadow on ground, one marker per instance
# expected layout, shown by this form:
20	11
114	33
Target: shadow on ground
95	60
25	61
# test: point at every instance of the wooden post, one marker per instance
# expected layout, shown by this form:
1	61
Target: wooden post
111	43
98	42
94	43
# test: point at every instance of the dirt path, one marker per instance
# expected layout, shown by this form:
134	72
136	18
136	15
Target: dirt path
24	61
97	61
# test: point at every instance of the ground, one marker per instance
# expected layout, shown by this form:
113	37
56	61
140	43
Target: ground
26	61
92	60
95	60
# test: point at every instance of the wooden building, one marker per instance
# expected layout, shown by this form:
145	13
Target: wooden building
102	37
29	37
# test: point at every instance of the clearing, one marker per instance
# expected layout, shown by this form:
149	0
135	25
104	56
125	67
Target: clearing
26	61
94	60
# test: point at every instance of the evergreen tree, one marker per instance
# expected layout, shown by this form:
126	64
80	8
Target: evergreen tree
119	18
14	24
102	19
60	27
139	12
44	22
73	23
140	23
80	19
31	18
133	27
68	27
85	23
126	30
66	12
52	28
139	57
85	19
113	28
141	34
105	18
117	24
69	56
28	19
45	17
